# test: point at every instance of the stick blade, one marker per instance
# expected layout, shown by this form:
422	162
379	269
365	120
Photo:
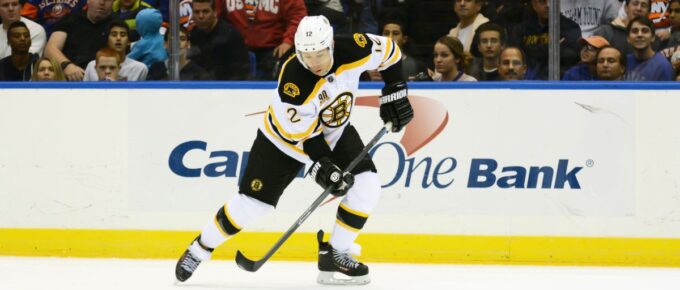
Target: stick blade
246	264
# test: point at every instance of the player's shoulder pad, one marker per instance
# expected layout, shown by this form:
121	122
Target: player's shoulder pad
296	83
349	49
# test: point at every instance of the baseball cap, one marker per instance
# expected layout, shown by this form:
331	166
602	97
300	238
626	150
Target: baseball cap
594	40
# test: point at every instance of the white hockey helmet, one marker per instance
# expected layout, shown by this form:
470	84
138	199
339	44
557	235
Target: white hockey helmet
314	33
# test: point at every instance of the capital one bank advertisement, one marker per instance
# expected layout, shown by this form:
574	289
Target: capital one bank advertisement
488	153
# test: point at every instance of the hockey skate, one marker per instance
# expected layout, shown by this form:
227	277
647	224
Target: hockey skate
339	268
189	261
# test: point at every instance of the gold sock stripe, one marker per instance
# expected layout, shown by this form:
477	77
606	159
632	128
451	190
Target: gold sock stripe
351	218
225	223
231	220
219	227
354	212
348	227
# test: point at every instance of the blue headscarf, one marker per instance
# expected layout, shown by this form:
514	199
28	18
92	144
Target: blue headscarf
149	49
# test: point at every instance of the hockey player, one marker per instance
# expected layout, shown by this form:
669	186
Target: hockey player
307	123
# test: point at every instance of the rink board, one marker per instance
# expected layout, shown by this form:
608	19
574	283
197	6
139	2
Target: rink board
519	174
392	248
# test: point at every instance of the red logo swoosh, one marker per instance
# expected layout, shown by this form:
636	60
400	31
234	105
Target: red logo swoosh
430	119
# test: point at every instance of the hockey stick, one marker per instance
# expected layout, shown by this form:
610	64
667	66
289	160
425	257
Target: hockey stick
252	266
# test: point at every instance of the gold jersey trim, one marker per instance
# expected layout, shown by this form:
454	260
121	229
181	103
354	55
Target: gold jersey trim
294	137
388	50
352	65
269	131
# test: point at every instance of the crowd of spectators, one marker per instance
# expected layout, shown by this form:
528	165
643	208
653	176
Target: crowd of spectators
474	40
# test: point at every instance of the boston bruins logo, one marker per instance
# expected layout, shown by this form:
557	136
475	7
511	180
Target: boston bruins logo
337	113
360	40
291	90
256	185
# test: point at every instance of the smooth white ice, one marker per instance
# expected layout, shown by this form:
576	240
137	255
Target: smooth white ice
21	273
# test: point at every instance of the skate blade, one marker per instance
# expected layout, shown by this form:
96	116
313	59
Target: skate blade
336	278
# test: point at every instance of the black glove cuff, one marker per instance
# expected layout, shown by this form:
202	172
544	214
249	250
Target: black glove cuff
318	167
394	92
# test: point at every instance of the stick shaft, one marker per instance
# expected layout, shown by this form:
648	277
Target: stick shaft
252	266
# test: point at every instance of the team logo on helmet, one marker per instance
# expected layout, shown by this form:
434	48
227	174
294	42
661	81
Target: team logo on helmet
256	185
360	39
337	113
291	90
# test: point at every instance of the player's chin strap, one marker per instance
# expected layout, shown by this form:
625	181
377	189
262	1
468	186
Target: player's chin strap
251	265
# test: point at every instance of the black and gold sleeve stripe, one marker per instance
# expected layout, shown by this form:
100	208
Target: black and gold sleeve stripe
392	55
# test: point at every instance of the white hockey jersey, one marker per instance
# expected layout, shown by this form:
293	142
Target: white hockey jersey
305	105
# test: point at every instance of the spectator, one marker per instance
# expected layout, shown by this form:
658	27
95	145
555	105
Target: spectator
189	70
107	64
491	39
531	35
78	36
184	13
450	61
10	12
675	62
46	69
658	13
590	14
149	49
217	46
267	30
118	40
672	44
615	32
504	12
674	17
644	64
470	19
611	64
512	65
368	22
411	68
585	70
18	66
331	9
127	10
674	20
48	12
392	9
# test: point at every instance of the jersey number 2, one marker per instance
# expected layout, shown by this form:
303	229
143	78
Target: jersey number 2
292	114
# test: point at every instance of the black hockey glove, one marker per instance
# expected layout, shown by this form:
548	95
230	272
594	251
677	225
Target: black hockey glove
327	174
395	107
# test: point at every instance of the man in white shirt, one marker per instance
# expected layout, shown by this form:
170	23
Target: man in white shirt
10	11
590	14
470	19
130	69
